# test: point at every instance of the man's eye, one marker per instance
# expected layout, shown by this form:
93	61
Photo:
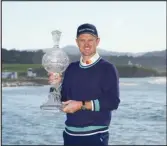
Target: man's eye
91	41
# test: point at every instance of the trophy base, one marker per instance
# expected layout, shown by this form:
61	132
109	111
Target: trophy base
53	102
56	108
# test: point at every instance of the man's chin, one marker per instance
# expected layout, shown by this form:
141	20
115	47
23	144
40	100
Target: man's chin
87	54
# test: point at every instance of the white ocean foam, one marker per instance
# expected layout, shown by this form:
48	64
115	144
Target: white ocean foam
161	80
128	84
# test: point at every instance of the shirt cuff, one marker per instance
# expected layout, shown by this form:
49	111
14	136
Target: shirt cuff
96	105
92	105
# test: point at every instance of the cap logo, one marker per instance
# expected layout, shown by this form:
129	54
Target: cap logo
84	29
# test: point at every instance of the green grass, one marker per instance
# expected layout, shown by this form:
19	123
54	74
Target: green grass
19	67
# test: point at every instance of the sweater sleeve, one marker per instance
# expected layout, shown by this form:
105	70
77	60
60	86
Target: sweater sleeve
109	98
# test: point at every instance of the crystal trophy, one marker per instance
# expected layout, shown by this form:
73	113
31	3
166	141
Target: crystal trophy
54	61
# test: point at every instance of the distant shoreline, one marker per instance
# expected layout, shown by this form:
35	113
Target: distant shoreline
35	82
24	82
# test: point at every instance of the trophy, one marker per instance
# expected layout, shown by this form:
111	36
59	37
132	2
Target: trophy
54	61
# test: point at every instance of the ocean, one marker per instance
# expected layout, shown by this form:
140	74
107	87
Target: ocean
140	118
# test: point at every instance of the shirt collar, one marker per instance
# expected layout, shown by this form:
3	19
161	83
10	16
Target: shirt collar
93	59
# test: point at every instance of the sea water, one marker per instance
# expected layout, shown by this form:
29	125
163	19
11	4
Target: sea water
140	118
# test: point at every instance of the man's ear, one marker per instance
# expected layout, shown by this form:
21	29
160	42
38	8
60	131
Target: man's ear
98	41
76	41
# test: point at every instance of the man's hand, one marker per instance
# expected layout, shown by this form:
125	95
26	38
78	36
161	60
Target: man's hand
54	78
71	106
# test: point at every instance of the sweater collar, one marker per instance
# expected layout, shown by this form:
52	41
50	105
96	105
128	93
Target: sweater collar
91	61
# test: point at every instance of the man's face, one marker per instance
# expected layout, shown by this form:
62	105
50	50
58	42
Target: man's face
87	44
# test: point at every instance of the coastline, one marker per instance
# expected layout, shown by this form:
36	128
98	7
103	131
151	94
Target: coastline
36	82
25	82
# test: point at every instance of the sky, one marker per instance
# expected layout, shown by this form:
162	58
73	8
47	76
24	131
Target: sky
122	26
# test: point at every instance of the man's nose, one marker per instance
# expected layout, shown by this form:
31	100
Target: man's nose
86	43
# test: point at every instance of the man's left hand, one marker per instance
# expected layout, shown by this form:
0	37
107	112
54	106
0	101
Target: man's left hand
71	106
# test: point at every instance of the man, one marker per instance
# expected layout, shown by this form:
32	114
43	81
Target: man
90	91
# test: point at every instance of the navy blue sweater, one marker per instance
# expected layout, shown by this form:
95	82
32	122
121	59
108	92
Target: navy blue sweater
98	82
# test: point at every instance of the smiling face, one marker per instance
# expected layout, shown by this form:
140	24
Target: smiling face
87	44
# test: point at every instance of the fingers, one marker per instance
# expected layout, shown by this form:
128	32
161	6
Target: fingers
71	106
51	77
54	74
50	73
68	109
54	78
66	102
65	109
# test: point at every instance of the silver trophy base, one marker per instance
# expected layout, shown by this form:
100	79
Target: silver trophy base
52	103
51	107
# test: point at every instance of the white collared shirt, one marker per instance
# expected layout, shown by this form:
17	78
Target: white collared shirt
93	59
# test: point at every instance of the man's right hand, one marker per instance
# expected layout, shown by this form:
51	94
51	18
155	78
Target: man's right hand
54	78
